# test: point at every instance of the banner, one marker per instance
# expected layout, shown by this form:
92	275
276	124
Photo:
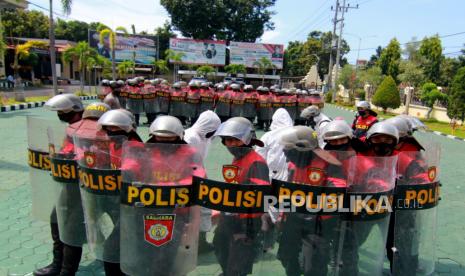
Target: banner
248	53
143	45
211	52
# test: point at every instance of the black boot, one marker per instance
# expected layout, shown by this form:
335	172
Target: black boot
71	259
204	246
112	269
55	267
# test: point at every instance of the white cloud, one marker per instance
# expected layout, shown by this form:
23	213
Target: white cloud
272	36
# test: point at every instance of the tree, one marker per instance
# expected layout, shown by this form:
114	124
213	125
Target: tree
72	30
374	58
164	33
175	58
390	58
456	102
111	35
262	65
24	23
411	73
449	67
125	67
231	20
205	70
429	95
161	66
347	77
411	50
236	69
22	52
82	52
387	94
431	52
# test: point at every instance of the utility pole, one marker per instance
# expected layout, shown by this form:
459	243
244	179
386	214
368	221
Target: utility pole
333	36
343	9
51	33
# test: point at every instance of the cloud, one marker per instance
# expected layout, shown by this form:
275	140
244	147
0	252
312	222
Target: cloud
273	35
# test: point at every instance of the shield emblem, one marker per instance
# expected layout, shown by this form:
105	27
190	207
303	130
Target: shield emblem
315	176
230	173
51	149
89	157
159	229
432	173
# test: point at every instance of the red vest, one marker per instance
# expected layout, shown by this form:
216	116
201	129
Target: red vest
362	124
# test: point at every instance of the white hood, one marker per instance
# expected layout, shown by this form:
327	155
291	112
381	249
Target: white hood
280	119
207	122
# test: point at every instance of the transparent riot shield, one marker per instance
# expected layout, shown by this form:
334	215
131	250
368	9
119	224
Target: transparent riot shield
311	226
238	180
64	169
134	100
415	222
100	180
371	182
159	227
42	188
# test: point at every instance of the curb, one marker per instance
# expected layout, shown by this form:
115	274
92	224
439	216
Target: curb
432	131
22	106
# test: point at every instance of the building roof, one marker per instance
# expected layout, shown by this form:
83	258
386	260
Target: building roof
13	4
60	44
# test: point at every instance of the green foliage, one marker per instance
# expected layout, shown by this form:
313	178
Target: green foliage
449	67
299	57
360	93
456	103
72	30
411	73
236	20
431	52
375	58
161	66
390	58
235	69
430	94
372	76
387	94
23	23
164	33
125	67
205	70
329	96
347	77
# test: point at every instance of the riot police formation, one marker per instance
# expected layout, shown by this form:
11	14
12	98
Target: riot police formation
316	196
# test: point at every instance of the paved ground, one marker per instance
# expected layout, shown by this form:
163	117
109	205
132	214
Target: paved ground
25	244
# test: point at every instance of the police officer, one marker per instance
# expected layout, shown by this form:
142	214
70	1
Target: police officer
111	99
237	103
407	141
308	165
119	122
364	119
105	84
66	258
223	104
163	96
315	119
135	104
249	110
237	237
207	98
337	136
178	102
121	92
193	102
265	110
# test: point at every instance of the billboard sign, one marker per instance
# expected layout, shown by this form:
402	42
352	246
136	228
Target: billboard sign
143	45
211	52
248	53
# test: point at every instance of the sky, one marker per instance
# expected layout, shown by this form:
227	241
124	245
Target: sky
374	23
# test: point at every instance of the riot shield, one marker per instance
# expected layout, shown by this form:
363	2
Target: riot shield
177	103
414	226
151	104
134	100
159	227
371	182
163	100
69	213
99	162
249	110
42	188
311	225
223	106
238	180
192	104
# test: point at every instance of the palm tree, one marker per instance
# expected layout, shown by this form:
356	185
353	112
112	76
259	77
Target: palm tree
106	32
206	70
235	69
125	67
82	51
262	65
175	58
161	66
66	6
22	51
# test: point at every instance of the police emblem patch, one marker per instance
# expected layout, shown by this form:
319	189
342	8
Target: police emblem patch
315	176
158	229
89	157
230	173
432	172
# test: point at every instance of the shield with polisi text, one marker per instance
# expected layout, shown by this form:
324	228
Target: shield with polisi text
159	228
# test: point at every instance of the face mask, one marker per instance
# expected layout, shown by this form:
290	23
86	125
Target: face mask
117	133
239	152
66	117
383	149
342	147
362	112
299	158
